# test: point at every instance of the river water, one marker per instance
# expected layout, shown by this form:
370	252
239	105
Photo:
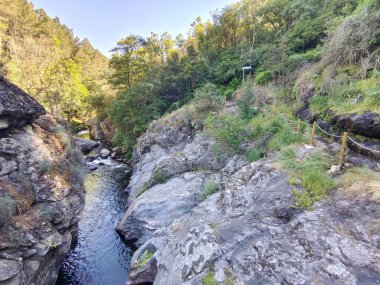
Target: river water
101	257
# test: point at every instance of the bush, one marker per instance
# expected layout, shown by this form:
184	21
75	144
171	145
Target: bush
209	279
145	257
284	138
208	99
210	188
246	103
318	104
263	77
159	176
62	135
228	130
43	166
7	208
312	176
229	93
254	155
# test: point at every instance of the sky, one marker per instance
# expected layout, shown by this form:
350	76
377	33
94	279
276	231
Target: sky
104	22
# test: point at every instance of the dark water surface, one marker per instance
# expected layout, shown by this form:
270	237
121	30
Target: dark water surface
101	257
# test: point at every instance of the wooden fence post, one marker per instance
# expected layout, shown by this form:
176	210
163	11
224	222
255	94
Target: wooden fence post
313	133
299	126
342	149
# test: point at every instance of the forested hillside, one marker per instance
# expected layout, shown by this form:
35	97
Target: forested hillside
329	46
42	56
332	45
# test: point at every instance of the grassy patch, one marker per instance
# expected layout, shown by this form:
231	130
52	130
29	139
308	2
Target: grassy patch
254	155
43	166
63	136
210	188
160	176
209	279
358	182
229	131
145	257
311	174
215	230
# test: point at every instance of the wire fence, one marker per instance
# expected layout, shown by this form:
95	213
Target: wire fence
310	126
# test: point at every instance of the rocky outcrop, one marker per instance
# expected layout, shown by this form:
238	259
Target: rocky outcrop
246	233
85	145
16	107
41	193
101	131
367	124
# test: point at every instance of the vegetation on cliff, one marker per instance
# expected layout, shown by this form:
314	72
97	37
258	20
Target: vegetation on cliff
331	45
43	57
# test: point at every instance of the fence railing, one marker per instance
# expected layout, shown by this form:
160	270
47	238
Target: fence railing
344	138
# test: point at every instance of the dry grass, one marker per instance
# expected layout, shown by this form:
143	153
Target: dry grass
360	182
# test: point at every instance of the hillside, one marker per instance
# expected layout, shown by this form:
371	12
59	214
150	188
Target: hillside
318	59
44	58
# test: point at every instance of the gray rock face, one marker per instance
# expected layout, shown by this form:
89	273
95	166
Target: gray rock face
85	145
367	124
16	107
248	232
104	153
160	206
41	195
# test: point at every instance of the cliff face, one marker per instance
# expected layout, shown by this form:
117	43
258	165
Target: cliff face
246	233
41	194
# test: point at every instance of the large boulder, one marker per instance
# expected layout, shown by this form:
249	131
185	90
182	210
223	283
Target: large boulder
248	233
17	108
367	124
85	145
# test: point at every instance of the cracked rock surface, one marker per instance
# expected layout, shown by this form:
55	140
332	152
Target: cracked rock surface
246	233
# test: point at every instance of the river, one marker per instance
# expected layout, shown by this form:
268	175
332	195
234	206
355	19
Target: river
101	257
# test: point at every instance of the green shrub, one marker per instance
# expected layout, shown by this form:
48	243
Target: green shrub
263	77
229	93
7	208
230	131
318	104
208	99
77	172
209	279
159	176
247	101
43	166
284	138
312	175
145	257
63	136
254	155
210	188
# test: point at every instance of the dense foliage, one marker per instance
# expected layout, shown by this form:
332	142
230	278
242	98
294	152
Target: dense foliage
334	44
42	56
276	37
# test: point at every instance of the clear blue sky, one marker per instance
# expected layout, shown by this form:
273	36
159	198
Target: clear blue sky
104	22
